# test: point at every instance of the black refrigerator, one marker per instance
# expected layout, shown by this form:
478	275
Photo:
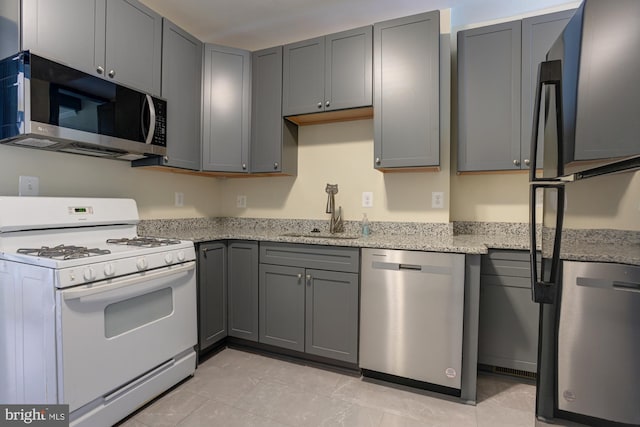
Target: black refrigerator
585	232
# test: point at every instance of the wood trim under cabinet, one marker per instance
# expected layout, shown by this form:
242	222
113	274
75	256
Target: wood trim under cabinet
332	116
211	174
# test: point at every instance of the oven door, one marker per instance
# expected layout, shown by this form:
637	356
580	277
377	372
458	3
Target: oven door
112	332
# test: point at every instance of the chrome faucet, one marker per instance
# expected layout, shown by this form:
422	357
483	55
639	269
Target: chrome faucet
336	224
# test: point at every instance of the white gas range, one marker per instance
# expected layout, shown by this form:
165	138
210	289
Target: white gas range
91	315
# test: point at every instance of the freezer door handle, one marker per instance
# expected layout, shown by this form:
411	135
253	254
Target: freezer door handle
544	292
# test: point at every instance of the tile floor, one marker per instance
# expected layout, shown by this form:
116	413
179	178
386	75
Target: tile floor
237	388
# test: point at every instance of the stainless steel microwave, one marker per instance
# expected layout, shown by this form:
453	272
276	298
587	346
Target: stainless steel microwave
47	105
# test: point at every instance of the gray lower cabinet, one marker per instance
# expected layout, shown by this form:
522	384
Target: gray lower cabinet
407	92
226	109
274	141
114	39
309	299
497	75
182	88
212	293
508	329
328	73
242	289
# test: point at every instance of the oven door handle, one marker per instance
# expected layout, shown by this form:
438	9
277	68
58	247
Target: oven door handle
126	286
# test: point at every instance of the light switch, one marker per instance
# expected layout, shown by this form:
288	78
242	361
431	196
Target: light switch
241	201
179	199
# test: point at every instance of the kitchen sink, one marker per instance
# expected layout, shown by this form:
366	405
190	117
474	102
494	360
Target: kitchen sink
321	235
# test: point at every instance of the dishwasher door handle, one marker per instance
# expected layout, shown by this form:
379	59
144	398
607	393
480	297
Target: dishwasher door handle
409	267
424	268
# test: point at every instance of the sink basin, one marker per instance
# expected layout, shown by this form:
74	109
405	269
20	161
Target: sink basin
321	235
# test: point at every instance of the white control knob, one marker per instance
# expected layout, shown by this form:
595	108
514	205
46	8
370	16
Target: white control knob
109	270
168	258
141	264
180	256
89	274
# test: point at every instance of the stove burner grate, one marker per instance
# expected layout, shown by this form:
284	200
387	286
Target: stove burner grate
147	242
63	251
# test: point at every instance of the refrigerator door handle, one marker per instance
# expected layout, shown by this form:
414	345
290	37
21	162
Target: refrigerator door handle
544	292
549	73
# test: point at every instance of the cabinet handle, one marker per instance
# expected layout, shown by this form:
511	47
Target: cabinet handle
166	159
319	104
299	276
112	73
527	162
516	162
308	280
377	160
327	103
244	166
275	165
100	70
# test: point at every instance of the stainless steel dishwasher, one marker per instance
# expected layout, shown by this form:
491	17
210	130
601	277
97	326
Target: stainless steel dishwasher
411	318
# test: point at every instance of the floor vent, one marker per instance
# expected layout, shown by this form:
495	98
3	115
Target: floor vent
514	372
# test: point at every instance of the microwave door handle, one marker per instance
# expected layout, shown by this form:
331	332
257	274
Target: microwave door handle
152	120
541	291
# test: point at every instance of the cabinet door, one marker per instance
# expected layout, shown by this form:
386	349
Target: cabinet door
348	69
266	110
303	77
226	96
133	54
489	98
407	91
242	287
282	306
538	34
332	315
182	88
67	31
212	294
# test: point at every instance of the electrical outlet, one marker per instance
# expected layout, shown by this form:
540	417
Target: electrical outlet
241	202
437	200
28	186
179	199
367	199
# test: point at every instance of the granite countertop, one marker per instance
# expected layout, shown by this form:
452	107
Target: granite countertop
463	237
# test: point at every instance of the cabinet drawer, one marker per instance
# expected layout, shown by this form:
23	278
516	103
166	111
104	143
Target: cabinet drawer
311	256
506	263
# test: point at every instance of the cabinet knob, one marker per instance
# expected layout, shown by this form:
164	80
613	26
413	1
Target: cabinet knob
308	279
327	103
516	162
100	70
299	276
112	73
319	104
166	159
377	160
527	162
275	165
244	166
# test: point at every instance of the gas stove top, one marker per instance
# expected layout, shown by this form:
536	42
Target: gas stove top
83	240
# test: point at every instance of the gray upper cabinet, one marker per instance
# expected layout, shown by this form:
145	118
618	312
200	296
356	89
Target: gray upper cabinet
116	39
182	88
274	141
226	108
489	97
328	73
538	34
497	75
407	92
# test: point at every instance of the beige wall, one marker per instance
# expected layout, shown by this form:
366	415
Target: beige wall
64	174
339	153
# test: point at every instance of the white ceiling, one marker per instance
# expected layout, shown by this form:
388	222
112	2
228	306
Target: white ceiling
257	24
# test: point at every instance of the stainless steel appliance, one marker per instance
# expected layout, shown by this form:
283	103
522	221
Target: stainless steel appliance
91	315
50	106
411	317
588	285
